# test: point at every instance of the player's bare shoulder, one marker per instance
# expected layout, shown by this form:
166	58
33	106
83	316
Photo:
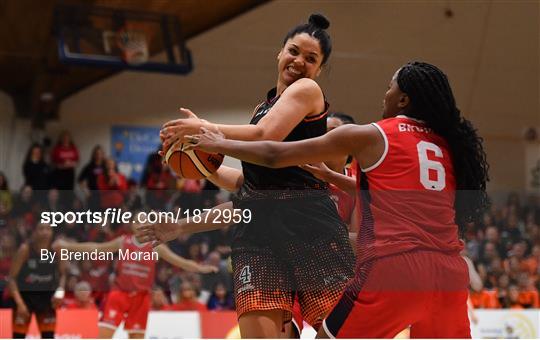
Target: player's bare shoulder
367	134
305	87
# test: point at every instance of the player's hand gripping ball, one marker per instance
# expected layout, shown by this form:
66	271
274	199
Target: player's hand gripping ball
192	164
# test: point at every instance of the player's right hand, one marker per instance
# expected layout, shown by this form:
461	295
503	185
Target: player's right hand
207	140
207	269
319	170
157	233
22	312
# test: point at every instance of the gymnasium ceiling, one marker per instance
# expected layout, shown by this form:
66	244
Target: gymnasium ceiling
28	59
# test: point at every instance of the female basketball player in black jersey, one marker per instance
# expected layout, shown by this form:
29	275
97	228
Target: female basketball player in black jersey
33	282
296	242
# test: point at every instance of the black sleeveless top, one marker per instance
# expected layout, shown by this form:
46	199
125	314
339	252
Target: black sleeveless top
37	275
293	178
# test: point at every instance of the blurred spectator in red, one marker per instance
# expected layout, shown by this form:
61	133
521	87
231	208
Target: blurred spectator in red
528	295
133	199
82	297
532	263
159	300
151	165
220	299
36	171
100	233
487	298
158	181
513	300
190	194
6	200
187	299
112	186
88	179
65	158
7	250
96	273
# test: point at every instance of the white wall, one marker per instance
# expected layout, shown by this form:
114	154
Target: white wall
15	139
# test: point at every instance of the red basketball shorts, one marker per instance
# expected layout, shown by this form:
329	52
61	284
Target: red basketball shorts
423	290
132	307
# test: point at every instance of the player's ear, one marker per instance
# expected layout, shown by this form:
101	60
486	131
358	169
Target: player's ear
404	100
319	71
279	54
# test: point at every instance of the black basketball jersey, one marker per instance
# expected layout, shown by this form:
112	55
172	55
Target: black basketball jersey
36	274
289	178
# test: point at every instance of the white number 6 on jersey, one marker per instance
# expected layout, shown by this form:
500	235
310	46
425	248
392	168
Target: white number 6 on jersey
427	164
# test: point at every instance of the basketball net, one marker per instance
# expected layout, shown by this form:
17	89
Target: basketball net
133	45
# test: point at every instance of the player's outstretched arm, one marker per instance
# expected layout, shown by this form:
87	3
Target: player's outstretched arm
168	255
211	219
113	245
303	98
340	142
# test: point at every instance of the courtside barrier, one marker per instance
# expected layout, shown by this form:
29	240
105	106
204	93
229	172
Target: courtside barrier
73	324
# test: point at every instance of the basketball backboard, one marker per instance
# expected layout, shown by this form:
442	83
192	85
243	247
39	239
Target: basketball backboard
121	39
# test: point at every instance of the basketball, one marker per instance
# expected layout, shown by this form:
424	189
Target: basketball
192	164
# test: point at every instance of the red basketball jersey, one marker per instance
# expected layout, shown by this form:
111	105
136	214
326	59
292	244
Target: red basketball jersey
134	275
408	195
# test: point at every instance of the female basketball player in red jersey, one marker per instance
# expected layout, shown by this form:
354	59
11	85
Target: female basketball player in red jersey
305	251
129	299
424	172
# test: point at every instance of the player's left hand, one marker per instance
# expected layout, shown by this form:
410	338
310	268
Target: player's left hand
56	302
207	140
319	170
206	269
176	129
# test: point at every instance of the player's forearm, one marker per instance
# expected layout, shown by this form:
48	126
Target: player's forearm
185	264
87	246
62	280
178	261
14	290
240	132
227	178
263	153
343	182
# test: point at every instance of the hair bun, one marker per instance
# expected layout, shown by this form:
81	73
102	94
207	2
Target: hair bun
318	20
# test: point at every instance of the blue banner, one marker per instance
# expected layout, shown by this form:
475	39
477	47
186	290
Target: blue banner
130	147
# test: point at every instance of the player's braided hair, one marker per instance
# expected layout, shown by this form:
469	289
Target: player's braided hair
432	101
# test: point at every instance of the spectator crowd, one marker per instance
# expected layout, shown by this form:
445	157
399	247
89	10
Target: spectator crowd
504	246
51	184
